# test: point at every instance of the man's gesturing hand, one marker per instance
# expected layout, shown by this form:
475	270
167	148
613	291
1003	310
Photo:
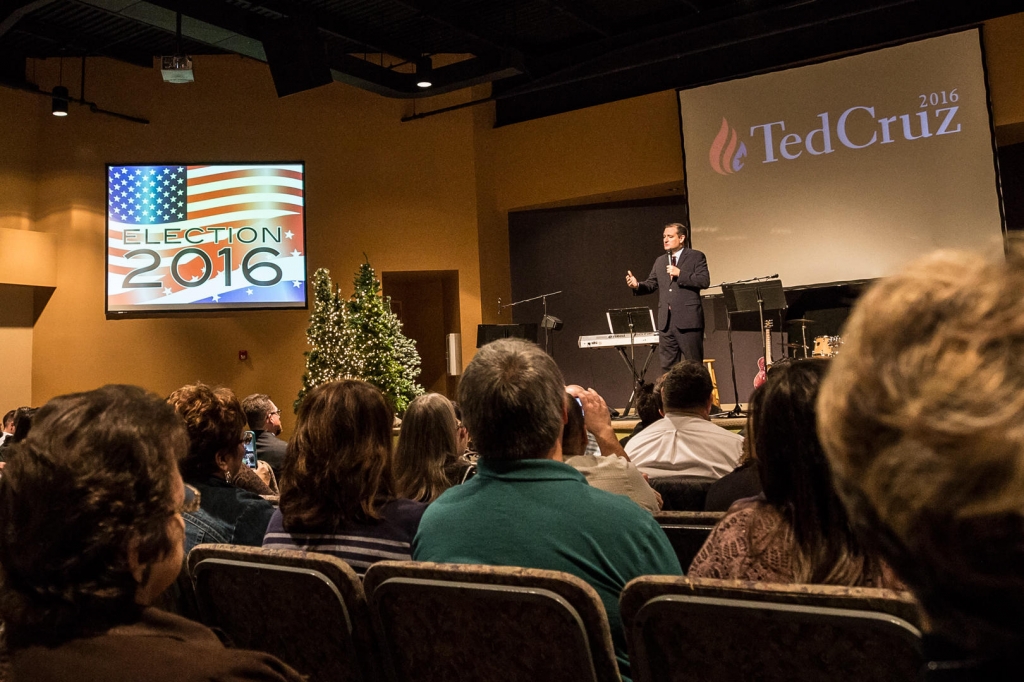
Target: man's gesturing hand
631	280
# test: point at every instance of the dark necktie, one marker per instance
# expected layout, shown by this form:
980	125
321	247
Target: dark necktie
673	260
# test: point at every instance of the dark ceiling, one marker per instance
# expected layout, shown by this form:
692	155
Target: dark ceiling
542	56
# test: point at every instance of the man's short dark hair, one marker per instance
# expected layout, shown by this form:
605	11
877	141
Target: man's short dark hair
8	420
257	408
511	397
95	474
687	385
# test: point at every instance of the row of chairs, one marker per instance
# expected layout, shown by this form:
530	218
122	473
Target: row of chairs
426	622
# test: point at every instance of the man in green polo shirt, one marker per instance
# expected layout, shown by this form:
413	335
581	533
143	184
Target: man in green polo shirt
525	507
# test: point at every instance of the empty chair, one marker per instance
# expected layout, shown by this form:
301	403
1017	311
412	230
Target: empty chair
307	609
682	493
442	622
682	629
687	531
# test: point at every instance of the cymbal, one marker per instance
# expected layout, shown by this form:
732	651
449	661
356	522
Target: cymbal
795	345
799	320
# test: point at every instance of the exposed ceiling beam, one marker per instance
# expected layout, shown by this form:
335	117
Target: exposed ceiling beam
735	49
480	44
75	44
254	25
586	15
372	40
13	11
242	31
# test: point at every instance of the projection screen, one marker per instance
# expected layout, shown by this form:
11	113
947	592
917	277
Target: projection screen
843	170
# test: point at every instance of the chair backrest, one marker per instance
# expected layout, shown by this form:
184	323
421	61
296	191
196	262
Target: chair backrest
307	609
682	629
682	493
470	623
687	532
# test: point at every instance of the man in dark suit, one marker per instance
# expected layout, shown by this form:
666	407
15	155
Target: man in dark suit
265	420
680	274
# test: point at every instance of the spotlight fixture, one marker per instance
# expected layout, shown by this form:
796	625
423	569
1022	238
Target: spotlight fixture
424	72
59	105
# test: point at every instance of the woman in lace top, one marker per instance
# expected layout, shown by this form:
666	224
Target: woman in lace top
797	531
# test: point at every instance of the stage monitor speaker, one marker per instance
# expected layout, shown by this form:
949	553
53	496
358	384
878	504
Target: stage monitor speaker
297	57
485	333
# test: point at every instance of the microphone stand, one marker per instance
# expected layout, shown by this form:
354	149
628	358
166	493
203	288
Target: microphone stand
544	300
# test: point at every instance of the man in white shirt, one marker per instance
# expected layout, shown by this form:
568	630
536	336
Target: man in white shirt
685	442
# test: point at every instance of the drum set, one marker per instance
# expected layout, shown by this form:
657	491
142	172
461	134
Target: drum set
824	346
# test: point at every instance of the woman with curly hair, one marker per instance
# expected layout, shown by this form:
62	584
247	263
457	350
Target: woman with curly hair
217	438
90	535
337	492
797	531
428	457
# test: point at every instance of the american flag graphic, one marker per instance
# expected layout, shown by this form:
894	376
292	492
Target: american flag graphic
205	237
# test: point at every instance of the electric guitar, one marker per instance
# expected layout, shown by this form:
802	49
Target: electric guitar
763	363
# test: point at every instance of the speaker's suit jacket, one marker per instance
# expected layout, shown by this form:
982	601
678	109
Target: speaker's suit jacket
682	294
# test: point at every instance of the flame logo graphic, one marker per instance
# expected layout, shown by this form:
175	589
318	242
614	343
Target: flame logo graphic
725	157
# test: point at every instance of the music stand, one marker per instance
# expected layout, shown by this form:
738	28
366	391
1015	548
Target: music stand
632	321
767	295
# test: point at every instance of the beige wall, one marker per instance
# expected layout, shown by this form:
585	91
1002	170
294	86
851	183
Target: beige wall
401	193
433	194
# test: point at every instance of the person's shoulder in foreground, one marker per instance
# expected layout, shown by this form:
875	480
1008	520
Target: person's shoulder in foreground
159	647
91	536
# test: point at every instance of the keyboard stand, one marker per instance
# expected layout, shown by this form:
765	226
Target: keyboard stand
638	377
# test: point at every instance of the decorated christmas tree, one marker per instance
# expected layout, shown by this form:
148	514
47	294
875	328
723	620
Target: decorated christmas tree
328	336
382	355
360	338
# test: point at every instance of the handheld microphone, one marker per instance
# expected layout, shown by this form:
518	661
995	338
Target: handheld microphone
668	253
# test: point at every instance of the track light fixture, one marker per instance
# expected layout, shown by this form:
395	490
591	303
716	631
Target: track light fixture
59	104
424	72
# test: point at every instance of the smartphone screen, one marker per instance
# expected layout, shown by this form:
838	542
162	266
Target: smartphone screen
580	403
249	458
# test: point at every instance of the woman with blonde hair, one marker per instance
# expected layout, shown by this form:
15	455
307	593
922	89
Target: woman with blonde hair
428	456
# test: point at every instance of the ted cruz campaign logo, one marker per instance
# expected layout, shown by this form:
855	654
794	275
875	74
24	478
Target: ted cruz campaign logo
726	158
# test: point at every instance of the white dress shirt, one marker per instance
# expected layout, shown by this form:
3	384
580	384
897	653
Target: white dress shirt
681	444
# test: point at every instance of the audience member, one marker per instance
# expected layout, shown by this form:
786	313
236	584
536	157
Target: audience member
264	418
337	491
22	423
525	507
797	531
742	482
428	458
609	469
7	427
685	442
648	408
217	438
922	418
90	535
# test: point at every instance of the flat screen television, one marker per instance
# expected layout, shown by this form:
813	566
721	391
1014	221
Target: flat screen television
202	237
